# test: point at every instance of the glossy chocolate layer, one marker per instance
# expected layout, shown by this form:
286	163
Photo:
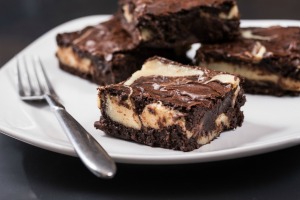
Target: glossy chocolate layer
101	40
159	7
180	91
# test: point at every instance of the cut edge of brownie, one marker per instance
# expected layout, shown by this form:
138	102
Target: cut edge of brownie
170	137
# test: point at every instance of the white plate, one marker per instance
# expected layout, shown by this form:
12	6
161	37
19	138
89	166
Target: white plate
271	123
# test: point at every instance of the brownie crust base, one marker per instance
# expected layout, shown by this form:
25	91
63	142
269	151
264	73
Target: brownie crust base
266	88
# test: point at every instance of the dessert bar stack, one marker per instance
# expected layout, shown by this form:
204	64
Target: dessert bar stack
267	58
146	96
111	51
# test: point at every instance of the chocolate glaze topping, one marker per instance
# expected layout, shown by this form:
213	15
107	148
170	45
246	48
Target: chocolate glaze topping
103	39
181	91
159	7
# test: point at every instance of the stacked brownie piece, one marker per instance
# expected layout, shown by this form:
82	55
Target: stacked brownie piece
111	51
159	23
267	58
106	53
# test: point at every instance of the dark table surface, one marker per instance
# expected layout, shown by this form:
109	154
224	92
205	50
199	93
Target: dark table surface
28	172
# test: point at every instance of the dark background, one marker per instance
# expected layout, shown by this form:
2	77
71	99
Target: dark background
27	172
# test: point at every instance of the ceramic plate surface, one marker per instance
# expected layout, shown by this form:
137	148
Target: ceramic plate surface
271	123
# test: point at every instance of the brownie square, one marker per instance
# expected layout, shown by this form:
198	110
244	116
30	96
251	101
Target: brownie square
170	105
157	23
268	58
106	53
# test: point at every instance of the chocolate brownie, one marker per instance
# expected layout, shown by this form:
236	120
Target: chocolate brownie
170	105
268	58
169	23
106	53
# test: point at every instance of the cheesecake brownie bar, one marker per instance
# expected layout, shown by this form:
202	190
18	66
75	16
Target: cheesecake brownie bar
268	58
170	105
173	22
106	53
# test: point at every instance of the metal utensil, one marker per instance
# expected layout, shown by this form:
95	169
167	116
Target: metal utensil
35	86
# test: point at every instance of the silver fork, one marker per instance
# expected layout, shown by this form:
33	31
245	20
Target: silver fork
39	88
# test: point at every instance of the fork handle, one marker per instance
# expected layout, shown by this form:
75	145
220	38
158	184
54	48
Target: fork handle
87	148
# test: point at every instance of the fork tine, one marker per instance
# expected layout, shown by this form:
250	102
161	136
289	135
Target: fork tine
31	90
20	84
40	88
48	83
